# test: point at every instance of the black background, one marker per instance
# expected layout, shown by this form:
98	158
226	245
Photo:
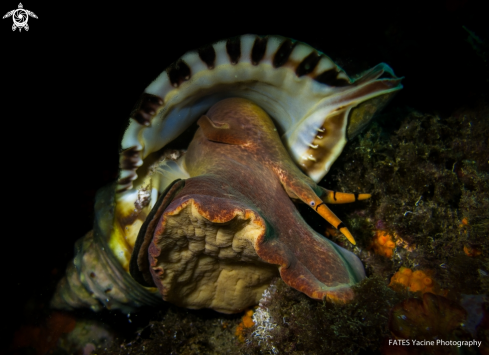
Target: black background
70	82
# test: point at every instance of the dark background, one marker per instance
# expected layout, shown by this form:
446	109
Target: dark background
70	82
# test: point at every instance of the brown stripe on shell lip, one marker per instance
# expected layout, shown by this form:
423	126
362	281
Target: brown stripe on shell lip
233	47
282	55
125	181
330	77
129	158
308	64
146	108
178	72
208	55
122	189
259	49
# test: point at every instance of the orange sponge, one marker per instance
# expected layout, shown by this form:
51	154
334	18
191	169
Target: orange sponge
246	322
417	281
383	244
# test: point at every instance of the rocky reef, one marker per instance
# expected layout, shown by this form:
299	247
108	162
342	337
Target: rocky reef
429	178
430	185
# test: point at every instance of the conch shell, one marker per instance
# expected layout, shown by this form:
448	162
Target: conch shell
315	108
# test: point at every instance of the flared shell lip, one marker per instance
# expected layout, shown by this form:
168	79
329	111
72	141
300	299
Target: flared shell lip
288	78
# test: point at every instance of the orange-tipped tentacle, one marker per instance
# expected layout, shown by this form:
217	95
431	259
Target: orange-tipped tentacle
328	215
301	190
334	197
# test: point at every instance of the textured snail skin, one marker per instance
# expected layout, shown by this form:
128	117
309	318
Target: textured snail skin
314	105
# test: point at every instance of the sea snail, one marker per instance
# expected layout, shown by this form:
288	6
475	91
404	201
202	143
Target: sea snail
210	226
